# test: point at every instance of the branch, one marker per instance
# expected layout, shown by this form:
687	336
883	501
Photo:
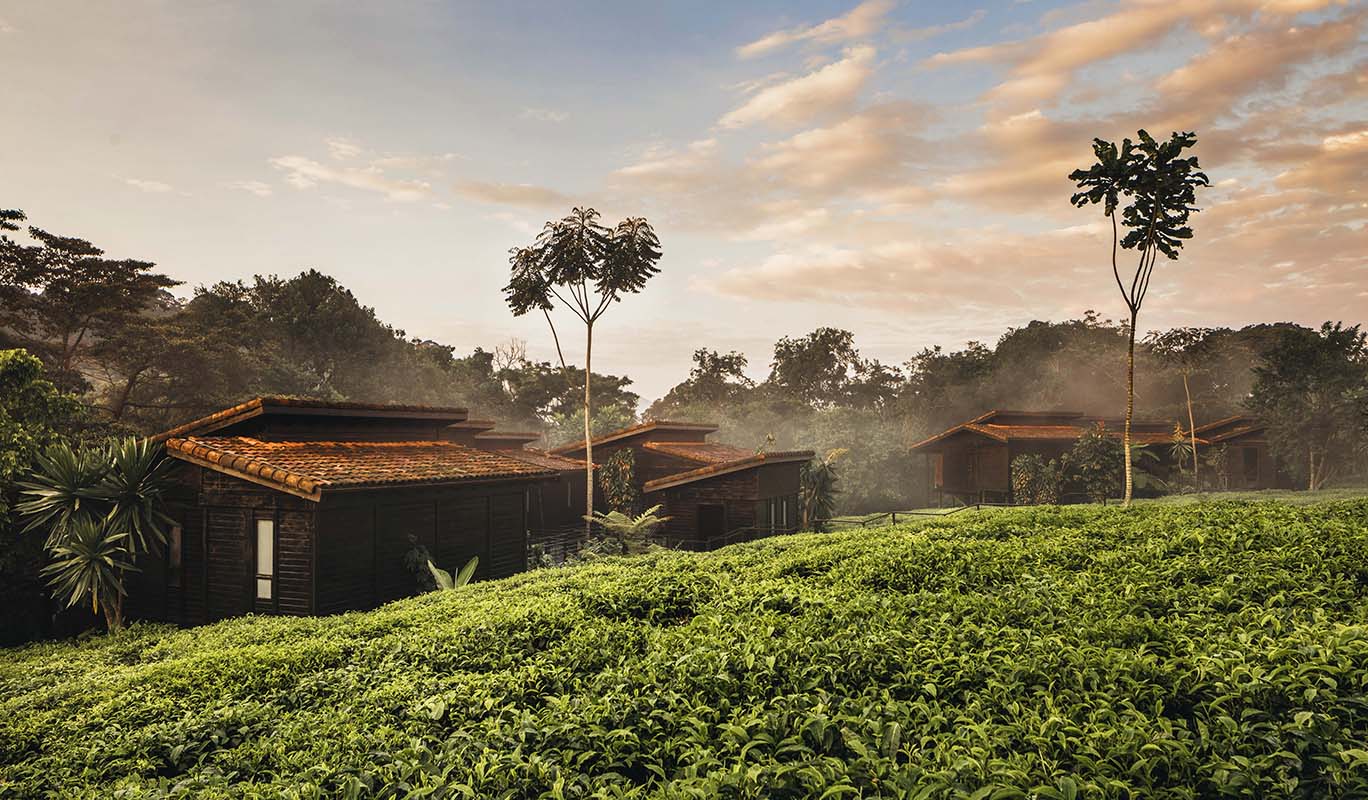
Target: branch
566	303
564	369
1115	272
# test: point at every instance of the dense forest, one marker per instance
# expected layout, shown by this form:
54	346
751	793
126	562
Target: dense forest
135	358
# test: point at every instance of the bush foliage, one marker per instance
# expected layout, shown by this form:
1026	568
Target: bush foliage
1214	650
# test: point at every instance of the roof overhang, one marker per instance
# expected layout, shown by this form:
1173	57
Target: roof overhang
704	473
294	406
634	430
310	488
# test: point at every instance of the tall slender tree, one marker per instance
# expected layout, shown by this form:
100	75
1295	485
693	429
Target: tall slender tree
1160	189
586	267
1187	349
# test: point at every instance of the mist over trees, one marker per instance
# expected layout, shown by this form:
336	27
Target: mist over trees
176	359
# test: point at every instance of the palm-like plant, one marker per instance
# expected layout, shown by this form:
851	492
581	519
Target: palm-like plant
817	487
89	562
62	487
134	488
101	508
633	534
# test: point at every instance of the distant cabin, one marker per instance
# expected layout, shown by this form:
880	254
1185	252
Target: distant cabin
971	462
713	493
297	506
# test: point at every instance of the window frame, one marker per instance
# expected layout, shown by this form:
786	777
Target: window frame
272	589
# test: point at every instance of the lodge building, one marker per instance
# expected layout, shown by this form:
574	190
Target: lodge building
971	462
297	506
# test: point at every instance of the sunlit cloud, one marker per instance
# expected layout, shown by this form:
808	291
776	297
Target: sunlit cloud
513	194
341	148
816	95
305	173
858	23
151	187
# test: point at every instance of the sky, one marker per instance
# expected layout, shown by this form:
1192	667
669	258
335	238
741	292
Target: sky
897	169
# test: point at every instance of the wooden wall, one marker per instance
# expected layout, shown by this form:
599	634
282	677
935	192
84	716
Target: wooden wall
363	538
736	491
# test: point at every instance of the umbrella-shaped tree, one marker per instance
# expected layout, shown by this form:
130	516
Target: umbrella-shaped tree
585	267
1160	188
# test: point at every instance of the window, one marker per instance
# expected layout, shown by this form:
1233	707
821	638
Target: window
265	559
173	557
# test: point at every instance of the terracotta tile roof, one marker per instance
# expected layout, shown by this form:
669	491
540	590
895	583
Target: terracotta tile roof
310	468
650	425
713	470
1157	432
702	452
541	458
1230	428
261	405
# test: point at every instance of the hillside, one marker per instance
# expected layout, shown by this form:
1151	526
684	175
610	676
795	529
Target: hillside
1211	650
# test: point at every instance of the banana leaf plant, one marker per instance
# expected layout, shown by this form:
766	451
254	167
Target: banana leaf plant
446	581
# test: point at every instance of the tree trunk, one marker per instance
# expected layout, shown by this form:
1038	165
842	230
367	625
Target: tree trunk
1192	429
113	614
588	430
116	411
1130	410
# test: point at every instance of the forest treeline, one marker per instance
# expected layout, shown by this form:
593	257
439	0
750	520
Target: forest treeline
111	334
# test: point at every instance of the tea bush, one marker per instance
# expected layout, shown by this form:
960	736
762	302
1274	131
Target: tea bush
1216	650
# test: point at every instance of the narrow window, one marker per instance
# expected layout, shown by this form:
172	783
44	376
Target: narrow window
265	558
173	555
783	504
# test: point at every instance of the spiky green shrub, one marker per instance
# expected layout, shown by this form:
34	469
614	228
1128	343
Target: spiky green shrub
1195	651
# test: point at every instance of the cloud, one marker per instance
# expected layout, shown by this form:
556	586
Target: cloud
151	187
303	173
544	115
932	31
433	164
1042	66
862	150
858	23
818	94
513	194
257	188
1260	59
341	148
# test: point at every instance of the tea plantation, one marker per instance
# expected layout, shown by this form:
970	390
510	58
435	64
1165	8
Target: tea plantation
1216	650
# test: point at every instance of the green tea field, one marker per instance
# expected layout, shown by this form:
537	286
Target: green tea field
1184	651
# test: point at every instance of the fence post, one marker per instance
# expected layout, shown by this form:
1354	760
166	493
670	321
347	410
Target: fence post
895	518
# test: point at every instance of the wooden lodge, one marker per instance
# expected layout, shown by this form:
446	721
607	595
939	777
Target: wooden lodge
290	506
713	493
295	506
1247	462
971	462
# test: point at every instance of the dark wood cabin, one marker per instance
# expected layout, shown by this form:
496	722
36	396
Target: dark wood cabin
713	493
1247	464
971	462
290	506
